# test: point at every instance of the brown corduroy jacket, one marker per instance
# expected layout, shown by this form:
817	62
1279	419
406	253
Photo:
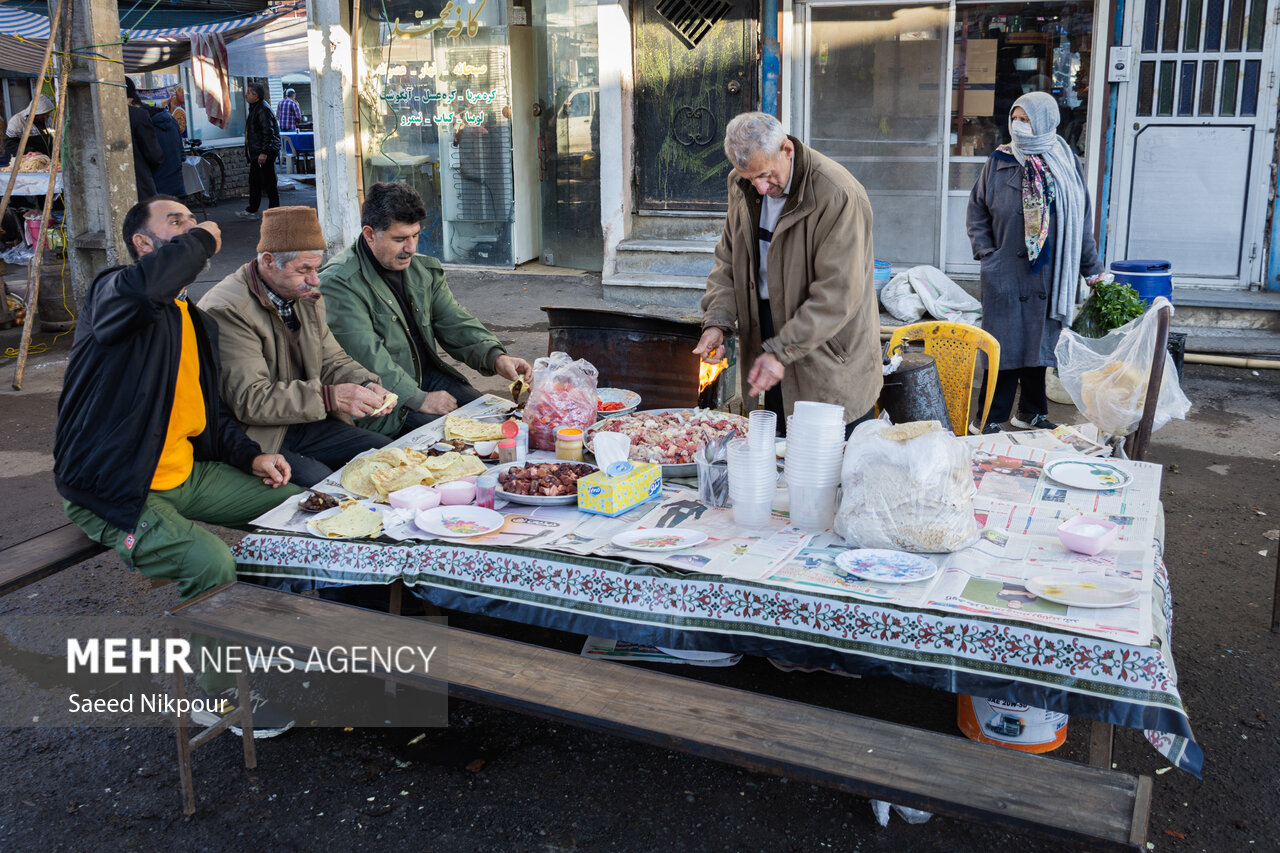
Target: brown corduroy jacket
822	297
272	378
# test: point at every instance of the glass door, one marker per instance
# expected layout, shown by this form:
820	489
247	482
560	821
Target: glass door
568	109
875	104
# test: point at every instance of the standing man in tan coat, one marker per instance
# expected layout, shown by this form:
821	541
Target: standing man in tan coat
793	276
284	377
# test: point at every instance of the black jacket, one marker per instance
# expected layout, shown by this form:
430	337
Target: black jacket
147	154
119	386
261	131
168	175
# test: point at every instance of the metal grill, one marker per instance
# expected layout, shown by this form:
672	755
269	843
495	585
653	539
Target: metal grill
691	20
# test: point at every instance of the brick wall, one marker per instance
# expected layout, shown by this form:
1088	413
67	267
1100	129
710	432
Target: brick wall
237	168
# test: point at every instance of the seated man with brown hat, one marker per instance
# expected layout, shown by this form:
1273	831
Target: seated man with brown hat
285	378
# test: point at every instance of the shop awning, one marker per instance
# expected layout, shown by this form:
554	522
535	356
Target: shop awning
23	35
275	50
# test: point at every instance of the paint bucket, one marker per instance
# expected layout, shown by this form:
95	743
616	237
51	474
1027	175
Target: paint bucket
1150	278
914	392
883	273
1010	724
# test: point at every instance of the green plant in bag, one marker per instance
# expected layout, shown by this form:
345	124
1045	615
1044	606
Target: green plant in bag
1112	304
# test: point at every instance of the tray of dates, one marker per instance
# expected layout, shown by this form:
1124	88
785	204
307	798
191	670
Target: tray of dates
672	437
542	483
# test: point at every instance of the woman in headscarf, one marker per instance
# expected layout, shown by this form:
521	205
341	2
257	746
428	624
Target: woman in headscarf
1031	226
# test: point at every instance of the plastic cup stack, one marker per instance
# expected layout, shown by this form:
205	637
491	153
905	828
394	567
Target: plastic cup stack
762	430
815	453
753	479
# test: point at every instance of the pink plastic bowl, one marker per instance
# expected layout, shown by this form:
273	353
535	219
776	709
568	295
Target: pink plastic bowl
456	493
417	497
1079	534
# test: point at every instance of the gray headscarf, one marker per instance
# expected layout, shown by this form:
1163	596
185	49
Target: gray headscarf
1070	201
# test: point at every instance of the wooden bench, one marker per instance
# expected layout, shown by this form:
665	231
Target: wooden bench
944	774
44	555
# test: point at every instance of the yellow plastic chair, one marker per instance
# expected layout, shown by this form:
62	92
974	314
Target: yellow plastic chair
954	347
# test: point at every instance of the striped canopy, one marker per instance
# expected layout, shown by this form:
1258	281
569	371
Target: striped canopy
23	35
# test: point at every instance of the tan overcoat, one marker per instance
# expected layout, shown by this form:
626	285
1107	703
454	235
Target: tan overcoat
822	296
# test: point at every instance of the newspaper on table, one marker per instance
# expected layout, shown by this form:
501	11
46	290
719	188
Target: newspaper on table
730	550
1081	438
1019	509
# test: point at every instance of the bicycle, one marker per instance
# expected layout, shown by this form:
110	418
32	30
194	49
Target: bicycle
210	172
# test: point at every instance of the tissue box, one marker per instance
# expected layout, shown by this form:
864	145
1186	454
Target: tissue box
604	495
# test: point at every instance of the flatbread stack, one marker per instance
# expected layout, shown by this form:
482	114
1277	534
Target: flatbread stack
352	521
394	468
470	430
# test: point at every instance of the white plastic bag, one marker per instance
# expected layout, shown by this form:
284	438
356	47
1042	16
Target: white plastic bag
880	809
563	395
899	298
1107	377
907	487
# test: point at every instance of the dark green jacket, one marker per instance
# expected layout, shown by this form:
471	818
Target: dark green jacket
366	319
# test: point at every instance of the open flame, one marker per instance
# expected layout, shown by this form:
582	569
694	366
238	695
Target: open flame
707	373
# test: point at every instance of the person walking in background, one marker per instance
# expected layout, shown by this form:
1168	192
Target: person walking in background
147	153
288	113
261	147
1031	227
168	175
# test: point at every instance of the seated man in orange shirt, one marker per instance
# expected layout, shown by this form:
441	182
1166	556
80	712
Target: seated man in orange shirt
144	446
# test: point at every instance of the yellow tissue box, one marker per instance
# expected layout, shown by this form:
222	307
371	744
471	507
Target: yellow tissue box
604	495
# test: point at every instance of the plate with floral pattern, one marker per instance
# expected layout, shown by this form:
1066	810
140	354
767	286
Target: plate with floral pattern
659	539
884	565
458	522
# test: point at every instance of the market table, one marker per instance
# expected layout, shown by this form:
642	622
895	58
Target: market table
961	650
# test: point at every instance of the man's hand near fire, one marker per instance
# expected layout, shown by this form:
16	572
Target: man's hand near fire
709	345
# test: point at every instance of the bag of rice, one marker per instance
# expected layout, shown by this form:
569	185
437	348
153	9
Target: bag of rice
908	487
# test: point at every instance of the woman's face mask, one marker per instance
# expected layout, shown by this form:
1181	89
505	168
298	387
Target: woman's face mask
1021	128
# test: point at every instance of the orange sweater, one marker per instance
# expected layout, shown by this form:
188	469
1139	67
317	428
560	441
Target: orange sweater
186	419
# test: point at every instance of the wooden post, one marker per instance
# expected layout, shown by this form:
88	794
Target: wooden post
33	279
97	174
333	81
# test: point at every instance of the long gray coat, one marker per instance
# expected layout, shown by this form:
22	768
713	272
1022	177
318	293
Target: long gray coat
1015	301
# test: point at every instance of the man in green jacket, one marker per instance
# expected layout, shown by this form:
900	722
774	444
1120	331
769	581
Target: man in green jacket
389	307
284	377
793	275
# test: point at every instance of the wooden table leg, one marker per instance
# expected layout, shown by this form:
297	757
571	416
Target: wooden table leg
244	697
1100	740
394	595
180	733
1275	599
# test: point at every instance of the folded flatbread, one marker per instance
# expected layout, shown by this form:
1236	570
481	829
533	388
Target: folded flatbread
358	473
518	389
353	520
394	479
448	467
470	430
396	456
388	403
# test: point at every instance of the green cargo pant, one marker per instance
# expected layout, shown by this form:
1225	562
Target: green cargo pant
167	543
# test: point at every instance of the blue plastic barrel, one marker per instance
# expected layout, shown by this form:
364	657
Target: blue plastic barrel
884	272
1151	278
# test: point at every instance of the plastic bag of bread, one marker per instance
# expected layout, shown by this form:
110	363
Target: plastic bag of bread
1107	377
908	487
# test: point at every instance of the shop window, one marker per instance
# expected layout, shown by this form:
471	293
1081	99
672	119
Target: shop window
1003	52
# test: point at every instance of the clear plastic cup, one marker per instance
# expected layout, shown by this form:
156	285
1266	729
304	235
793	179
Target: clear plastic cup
812	507
762	428
752	513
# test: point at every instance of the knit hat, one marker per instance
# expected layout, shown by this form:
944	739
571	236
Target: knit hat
290	229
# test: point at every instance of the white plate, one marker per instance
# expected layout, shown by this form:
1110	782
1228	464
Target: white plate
1083	592
537	500
458	522
884	565
330	513
659	539
1088	473
630	401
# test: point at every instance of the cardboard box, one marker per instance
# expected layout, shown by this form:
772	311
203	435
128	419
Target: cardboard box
601	494
976	70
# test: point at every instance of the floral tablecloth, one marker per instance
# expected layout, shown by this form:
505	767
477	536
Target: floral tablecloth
1088	677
